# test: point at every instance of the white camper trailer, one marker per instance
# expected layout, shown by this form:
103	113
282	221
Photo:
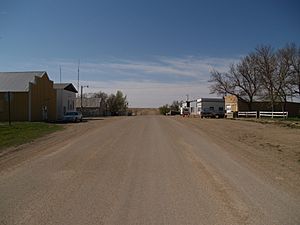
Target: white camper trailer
211	107
185	108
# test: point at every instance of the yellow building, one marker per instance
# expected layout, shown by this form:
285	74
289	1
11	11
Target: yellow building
32	96
231	103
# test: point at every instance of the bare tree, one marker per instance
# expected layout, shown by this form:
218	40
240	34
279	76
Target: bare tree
266	74
294	57
221	84
279	72
265	59
102	96
241	80
284	75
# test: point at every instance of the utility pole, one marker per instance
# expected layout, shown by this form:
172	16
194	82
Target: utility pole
81	91
81	97
78	75
59	73
9	116
61	95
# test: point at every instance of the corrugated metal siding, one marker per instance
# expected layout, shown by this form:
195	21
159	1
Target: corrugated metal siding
19	107
18	81
43	94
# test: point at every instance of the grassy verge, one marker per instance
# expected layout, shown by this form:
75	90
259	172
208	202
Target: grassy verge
296	119
22	132
292	122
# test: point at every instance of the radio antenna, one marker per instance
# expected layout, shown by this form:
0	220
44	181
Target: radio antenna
59	73
78	75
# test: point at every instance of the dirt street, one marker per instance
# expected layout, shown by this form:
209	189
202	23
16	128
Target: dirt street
155	170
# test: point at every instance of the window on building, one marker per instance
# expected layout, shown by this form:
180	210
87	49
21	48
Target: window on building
221	109
211	108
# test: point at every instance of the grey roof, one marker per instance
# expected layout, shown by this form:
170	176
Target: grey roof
211	100
18	81
65	86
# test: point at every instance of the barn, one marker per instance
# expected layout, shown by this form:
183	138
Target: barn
28	96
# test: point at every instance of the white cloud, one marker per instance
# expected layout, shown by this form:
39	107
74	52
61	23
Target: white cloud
191	67
147	83
149	94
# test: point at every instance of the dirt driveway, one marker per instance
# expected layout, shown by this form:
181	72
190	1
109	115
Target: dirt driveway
155	170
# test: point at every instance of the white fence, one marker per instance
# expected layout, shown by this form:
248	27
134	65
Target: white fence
273	114
247	114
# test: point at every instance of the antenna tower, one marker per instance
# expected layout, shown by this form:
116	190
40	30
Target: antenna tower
59	73
78	76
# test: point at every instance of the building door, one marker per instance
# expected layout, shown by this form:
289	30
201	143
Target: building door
45	113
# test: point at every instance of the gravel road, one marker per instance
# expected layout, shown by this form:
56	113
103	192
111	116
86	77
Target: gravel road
144	170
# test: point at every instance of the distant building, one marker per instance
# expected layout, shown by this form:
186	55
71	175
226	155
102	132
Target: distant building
211	107
193	107
184	105
91	107
65	99
32	96
233	104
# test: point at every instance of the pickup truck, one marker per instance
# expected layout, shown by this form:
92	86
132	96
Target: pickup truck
212	114
185	112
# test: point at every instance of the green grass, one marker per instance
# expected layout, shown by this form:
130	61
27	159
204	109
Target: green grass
281	119
22	132
293	119
291	122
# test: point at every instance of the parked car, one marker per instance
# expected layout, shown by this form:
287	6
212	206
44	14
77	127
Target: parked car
172	113
185	112
211	113
73	117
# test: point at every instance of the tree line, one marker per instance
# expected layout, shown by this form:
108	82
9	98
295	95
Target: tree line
113	104
265	74
172	107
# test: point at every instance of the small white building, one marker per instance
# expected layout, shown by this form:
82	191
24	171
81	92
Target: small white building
65	98
193	107
189	106
211	106
184	105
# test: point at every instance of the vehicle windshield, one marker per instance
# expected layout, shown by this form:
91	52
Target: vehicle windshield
71	113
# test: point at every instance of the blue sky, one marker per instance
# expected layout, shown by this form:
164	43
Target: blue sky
155	51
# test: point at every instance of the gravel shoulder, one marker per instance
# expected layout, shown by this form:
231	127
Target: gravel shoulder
14	156
271	149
